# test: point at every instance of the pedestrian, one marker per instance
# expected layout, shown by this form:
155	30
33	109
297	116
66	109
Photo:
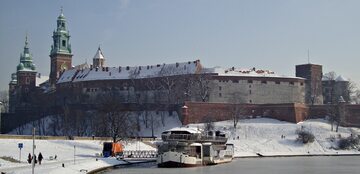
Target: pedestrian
29	158
40	157
35	159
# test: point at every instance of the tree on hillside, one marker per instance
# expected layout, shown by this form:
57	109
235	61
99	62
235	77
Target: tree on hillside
115	120
203	86
238	110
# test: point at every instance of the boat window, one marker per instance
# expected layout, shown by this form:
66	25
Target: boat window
206	151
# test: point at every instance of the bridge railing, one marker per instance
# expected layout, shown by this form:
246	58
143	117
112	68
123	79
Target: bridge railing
140	154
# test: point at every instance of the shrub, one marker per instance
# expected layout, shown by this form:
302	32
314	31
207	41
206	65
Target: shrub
351	142
305	136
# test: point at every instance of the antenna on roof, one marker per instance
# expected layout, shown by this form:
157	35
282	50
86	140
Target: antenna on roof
308	56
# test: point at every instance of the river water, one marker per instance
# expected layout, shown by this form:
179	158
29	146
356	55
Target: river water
279	165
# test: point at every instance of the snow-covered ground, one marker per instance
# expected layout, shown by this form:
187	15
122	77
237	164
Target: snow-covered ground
263	136
252	136
86	152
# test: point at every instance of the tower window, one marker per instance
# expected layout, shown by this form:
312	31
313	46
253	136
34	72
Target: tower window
63	25
63	43
27	80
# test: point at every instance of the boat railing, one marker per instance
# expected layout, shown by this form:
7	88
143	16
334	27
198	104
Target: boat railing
192	137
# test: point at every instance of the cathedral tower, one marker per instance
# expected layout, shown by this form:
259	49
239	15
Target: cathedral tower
60	54
25	76
99	59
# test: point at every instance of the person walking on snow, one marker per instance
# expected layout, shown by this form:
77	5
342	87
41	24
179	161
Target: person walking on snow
40	157
29	158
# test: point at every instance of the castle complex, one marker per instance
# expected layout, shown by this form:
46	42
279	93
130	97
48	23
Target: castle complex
151	87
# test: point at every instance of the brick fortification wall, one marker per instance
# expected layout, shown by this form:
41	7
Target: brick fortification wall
197	112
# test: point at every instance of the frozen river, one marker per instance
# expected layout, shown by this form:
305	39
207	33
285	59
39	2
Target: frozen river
279	165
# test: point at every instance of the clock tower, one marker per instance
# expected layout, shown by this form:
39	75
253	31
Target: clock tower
60	53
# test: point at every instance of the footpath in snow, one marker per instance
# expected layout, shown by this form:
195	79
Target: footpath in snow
86	152
252	137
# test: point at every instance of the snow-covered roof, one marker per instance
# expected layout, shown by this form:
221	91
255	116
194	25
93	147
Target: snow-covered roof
191	130
41	79
114	73
99	54
246	72
341	79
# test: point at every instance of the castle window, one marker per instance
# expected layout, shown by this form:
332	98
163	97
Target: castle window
63	43
277	82
249	91
301	84
263	82
250	101
220	94
235	81
250	81
63	25
291	83
27	80
219	88
249	86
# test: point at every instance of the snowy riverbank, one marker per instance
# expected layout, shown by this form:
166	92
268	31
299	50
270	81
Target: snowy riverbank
251	138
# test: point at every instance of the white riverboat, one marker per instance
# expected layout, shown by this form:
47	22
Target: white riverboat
188	147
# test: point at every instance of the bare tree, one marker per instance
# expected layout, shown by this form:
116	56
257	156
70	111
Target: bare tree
203	86
329	87
116	121
238	110
332	112
356	97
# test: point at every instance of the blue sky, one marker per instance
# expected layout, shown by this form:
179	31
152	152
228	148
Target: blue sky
267	34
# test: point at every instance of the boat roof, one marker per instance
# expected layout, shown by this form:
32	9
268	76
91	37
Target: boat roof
191	130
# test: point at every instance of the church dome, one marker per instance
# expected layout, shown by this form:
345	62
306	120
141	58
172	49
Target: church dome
33	67
20	66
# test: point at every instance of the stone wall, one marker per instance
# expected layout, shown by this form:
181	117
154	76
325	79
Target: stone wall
198	112
257	90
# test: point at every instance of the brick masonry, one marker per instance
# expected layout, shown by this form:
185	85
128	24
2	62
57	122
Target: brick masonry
197	112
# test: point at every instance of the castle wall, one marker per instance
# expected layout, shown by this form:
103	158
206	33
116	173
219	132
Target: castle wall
256	90
198	112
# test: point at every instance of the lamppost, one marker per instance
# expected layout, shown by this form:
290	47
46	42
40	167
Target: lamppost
1	105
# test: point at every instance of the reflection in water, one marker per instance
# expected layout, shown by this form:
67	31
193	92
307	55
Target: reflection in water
281	165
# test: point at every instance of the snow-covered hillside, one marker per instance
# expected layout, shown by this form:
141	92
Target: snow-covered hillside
264	136
252	137
162	120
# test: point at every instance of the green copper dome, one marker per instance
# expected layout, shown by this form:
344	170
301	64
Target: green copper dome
61	37
20	67
26	62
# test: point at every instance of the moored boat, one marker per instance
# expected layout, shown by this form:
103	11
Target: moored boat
189	147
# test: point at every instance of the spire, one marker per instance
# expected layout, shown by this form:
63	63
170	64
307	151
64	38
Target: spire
99	59
26	62
61	36
99	54
26	47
